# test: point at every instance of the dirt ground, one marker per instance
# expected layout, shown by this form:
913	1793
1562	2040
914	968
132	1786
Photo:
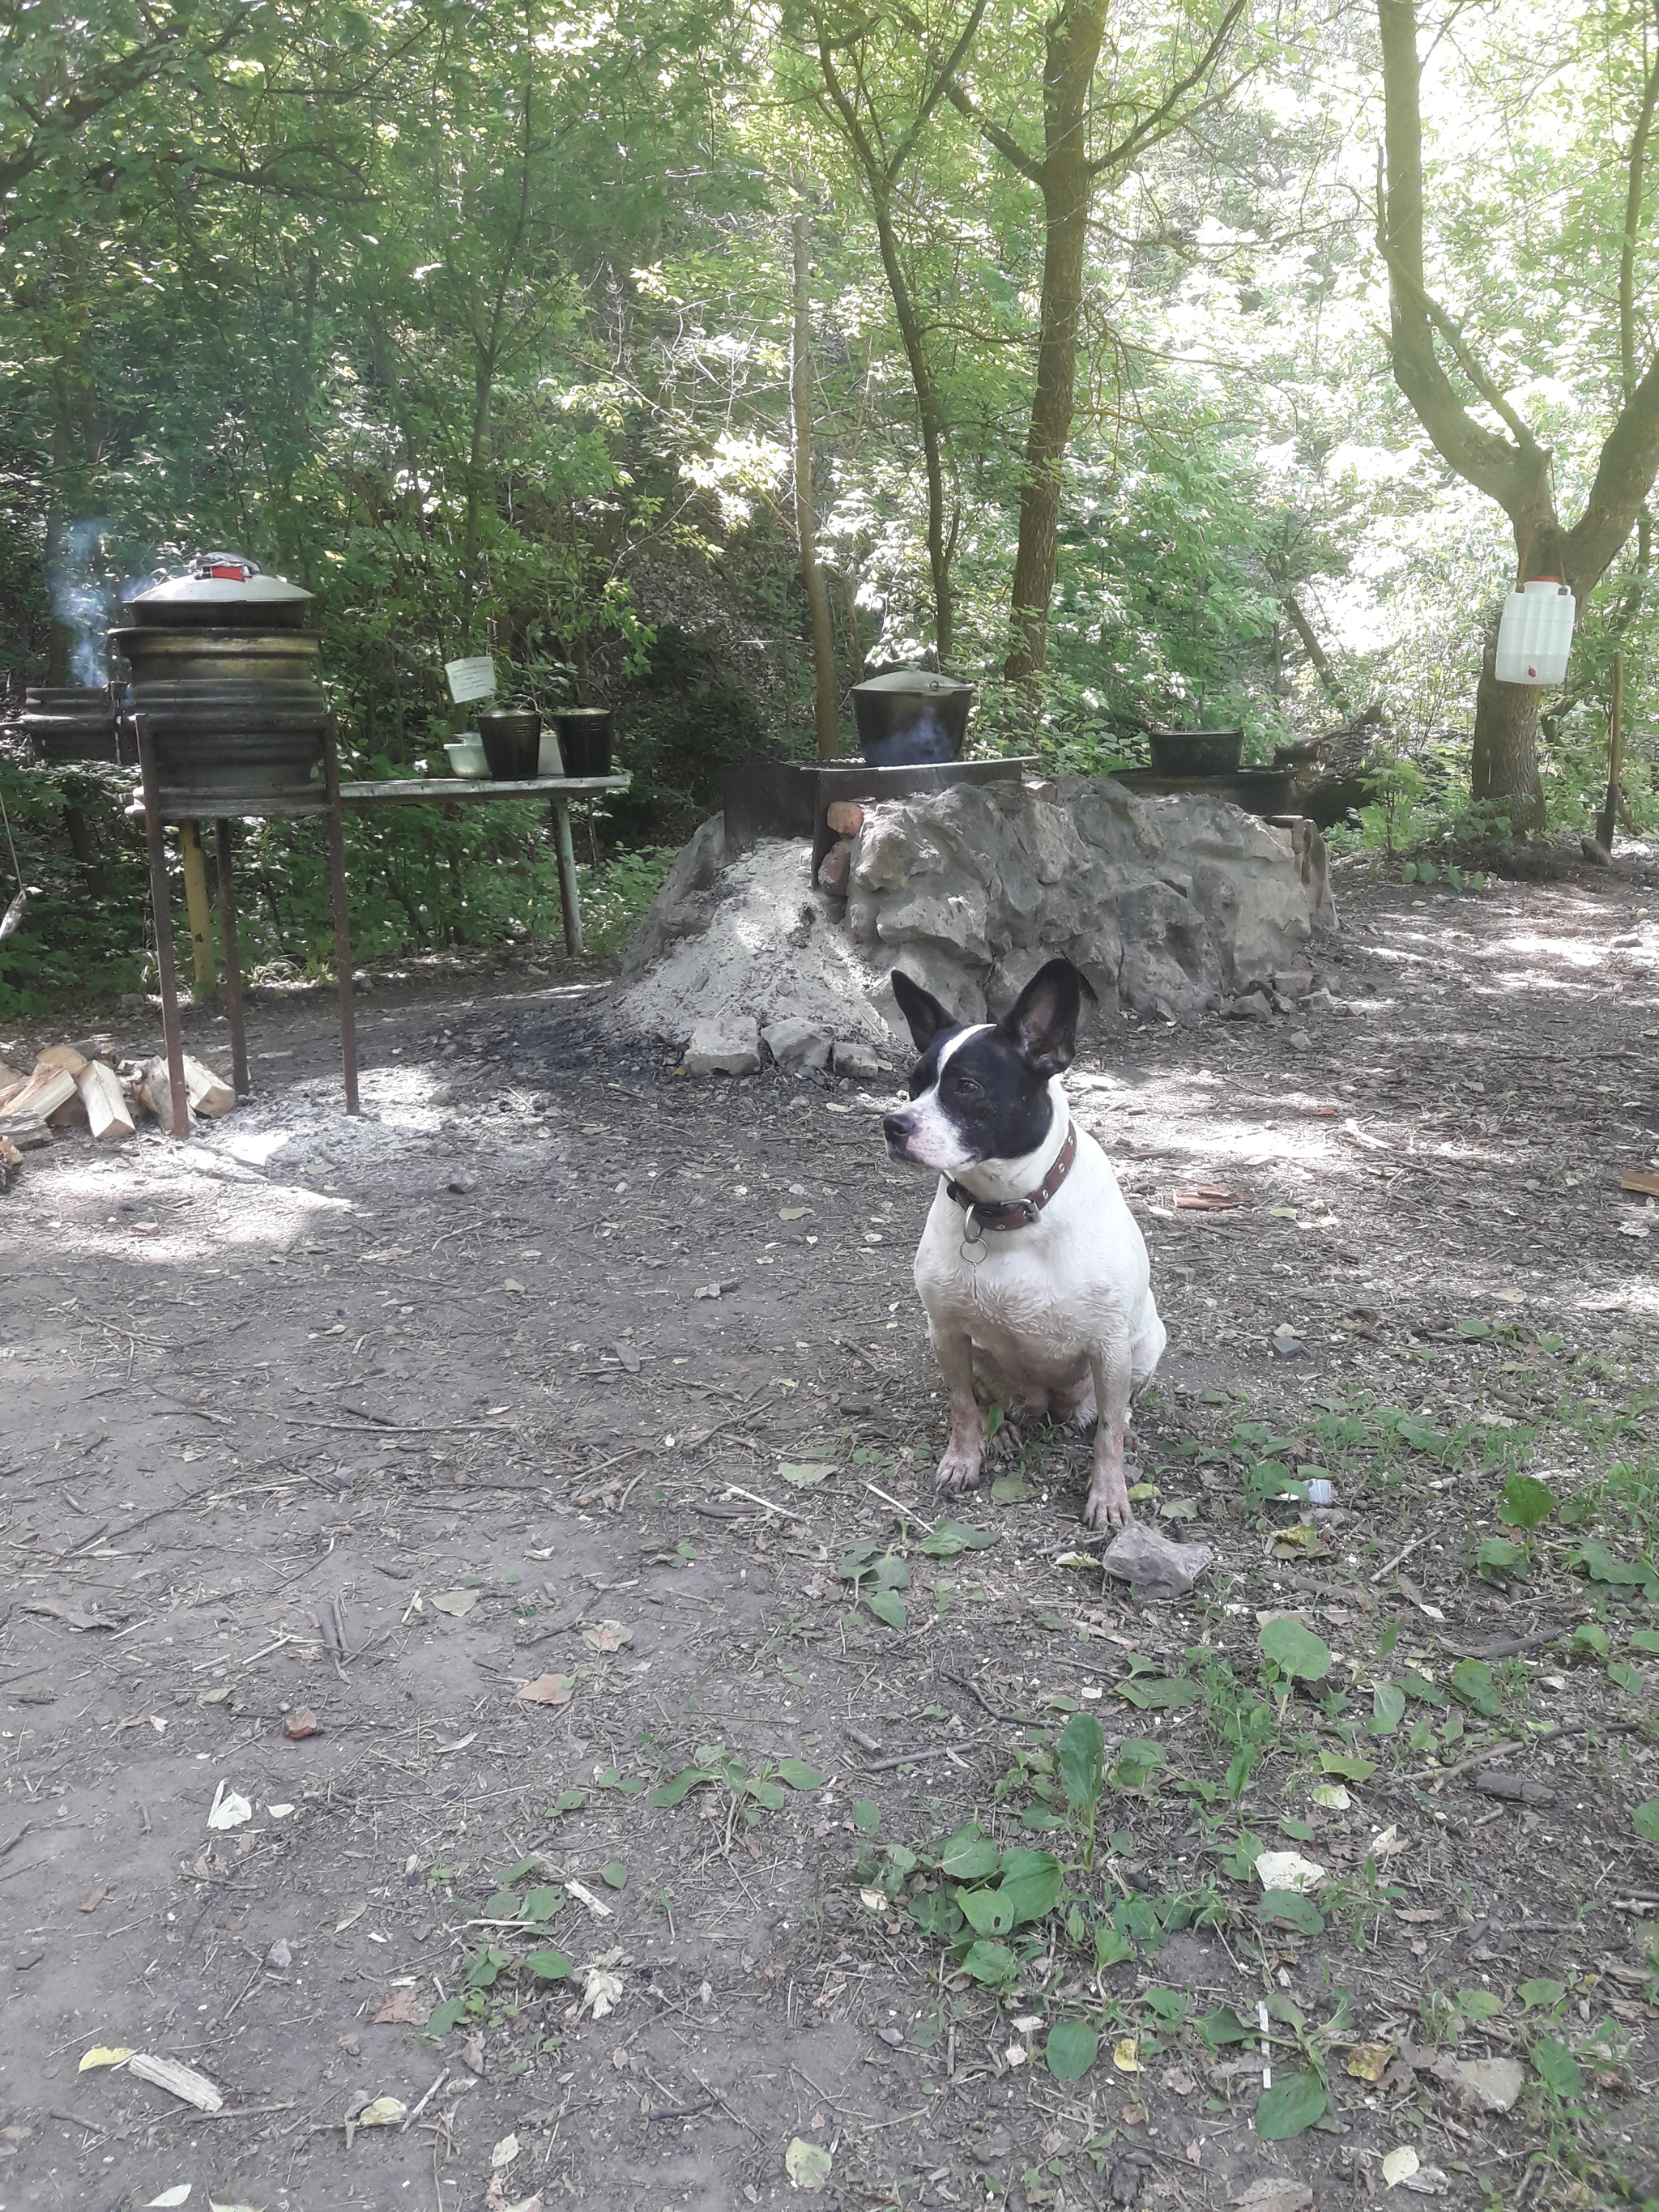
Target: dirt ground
562	1369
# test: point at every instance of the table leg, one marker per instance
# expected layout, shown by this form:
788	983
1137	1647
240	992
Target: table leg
341	902
233	954
161	914
568	899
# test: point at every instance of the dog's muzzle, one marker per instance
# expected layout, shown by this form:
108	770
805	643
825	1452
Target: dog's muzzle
898	1129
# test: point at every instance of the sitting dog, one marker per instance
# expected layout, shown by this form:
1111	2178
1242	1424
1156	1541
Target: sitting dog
1031	1267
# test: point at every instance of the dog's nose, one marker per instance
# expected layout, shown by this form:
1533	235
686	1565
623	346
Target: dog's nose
896	1130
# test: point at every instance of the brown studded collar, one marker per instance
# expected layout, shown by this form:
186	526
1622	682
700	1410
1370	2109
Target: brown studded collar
1018	1212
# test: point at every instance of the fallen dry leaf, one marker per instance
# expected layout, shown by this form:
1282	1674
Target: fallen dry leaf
72	1616
1274	2193
1369	2062
457	1603
405	2005
548	1690
607	1635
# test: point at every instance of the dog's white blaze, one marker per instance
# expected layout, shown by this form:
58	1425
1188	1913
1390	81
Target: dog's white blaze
935	1142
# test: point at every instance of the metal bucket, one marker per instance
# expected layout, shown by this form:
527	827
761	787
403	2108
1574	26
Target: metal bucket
513	743
238	720
584	740
65	723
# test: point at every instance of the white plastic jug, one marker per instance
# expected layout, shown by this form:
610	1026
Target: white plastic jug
1535	638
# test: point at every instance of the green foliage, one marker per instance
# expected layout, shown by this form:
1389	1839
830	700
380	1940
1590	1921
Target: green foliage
1294	1652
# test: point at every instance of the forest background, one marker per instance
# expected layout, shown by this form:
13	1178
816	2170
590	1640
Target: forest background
1140	391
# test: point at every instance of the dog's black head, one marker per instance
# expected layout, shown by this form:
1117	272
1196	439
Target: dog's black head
981	1093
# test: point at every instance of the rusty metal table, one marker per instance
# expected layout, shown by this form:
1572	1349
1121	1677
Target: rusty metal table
558	790
330	802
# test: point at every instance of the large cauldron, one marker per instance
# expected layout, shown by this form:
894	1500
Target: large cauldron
238	720
69	723
229	688
910	718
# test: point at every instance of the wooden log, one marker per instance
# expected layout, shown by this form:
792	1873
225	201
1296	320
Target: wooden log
72	1114
41	1095
106	1103
61	1056
210	1094
12	1080
155	1089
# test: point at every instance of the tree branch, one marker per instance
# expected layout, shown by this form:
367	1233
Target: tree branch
1142	134
941	85
1514	475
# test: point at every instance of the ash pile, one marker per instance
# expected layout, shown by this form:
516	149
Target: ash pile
1172	908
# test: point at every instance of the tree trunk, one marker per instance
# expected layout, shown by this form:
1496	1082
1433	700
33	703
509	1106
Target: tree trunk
1512	469
1505	768
1315	651
929	420
1073	40
812	576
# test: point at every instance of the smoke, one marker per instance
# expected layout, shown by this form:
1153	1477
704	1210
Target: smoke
925	742
82	597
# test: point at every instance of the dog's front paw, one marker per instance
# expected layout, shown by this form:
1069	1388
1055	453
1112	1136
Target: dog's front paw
958	1470
1108	1502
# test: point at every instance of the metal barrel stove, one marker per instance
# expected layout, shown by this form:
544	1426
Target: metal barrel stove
229	688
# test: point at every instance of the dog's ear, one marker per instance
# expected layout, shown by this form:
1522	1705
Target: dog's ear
1043	1021
922	1010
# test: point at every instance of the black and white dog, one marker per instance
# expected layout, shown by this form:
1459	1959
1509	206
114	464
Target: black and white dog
1031	1267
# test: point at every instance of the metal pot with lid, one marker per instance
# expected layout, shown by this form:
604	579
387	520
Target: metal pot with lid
222	591
911	716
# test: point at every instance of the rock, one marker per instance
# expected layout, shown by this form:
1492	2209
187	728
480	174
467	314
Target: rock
1319	1002
834	868
724	1044
1287	1344
792	1043
1493	2083
460	1184
1153	1566
854	1061
1299	1040
1167	907
280	1955
845	817
1250	1006
682	907
1293	982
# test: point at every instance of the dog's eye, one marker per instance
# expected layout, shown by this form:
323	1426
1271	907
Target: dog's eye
966	1083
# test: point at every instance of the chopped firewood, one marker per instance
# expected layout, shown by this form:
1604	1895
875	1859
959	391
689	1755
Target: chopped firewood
210	1094
61	1056
1641	1180
27	1132
11	1082
106	1103
10	1160
96	1047
155	1089
72	1114
41	1095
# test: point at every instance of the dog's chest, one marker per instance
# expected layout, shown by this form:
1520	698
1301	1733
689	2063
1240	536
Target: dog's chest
1027	1288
